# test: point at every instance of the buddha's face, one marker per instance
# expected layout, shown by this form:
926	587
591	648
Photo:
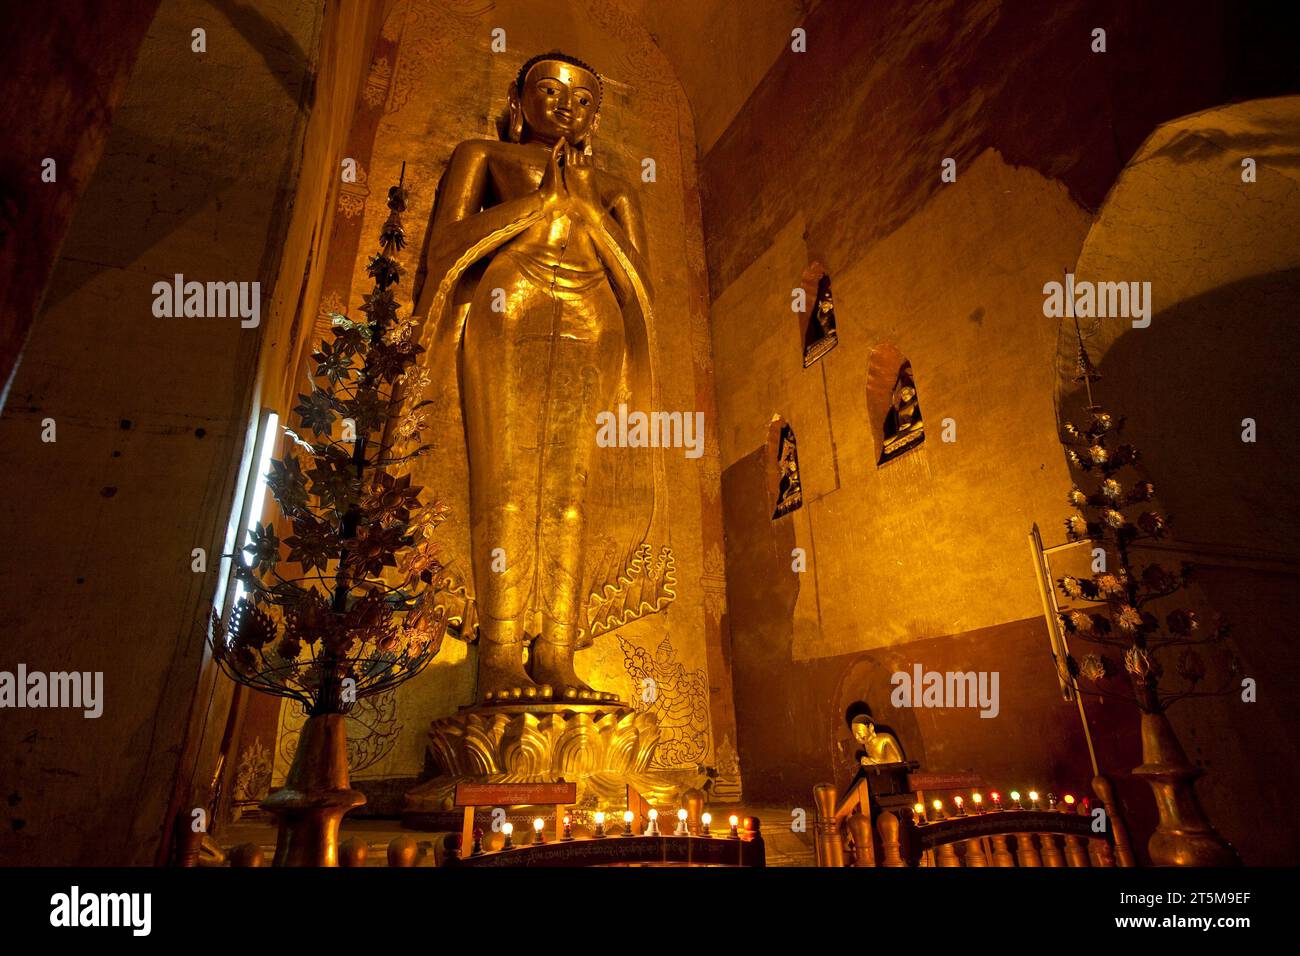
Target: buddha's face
559	100
863	729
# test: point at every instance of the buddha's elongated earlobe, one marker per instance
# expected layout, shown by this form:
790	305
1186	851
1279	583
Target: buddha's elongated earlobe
515	129
591	135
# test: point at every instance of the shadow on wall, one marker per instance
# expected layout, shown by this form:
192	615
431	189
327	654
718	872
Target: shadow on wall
790	713
1208	211
1185	384
161	150
885	80
1195	147
283	55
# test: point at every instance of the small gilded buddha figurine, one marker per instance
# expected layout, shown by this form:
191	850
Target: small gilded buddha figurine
536	316
875	746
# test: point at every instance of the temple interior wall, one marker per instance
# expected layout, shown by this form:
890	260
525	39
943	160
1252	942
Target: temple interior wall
766	161
835	158
151	416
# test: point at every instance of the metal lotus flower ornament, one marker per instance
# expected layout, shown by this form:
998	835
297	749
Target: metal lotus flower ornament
1115	609
346	604
343	606
1112	607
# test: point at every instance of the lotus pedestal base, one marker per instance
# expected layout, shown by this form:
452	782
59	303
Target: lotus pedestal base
603	748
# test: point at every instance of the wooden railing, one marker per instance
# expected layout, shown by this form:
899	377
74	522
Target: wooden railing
664	850
639	842
971	830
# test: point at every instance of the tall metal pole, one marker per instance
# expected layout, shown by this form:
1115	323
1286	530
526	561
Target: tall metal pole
1060	647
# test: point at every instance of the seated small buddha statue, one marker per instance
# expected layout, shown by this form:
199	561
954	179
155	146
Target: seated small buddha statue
789	495
875	746
903	424
820	336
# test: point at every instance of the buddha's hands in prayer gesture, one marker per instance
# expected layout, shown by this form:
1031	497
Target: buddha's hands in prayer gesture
580	177
553	189
568	186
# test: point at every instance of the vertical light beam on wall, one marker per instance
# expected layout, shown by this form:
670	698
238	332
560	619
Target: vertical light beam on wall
256	497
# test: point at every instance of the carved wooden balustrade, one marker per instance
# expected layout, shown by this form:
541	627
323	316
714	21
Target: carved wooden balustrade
618	850
639	842
971	830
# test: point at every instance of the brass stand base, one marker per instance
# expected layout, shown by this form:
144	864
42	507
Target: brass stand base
316	796
602	747
1184	837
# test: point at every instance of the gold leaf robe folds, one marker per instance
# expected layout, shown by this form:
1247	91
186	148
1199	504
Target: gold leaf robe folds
514	394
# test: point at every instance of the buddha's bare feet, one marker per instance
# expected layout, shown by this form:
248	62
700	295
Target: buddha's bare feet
501	676
553	667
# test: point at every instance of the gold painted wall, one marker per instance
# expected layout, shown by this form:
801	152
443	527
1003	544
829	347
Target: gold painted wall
720	49
933	542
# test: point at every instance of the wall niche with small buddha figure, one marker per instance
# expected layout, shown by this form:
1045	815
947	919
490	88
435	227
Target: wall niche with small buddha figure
816	310
893	404
784	487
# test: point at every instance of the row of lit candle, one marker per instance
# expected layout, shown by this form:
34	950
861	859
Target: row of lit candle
652	827
977	801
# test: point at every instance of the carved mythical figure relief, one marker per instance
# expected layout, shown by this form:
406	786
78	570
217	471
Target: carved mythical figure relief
678	699
725	784
252	778
537	316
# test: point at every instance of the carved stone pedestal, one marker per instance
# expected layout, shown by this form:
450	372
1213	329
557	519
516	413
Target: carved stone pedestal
603	748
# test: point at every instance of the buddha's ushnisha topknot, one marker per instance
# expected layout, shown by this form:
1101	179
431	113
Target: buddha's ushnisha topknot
562	58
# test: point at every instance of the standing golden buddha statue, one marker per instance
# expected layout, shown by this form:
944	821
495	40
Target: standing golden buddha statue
537	317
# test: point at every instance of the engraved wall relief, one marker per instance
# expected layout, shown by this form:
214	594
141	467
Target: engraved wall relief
677	697
373	730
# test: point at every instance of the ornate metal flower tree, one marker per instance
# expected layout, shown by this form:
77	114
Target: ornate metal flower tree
350	610
1113	609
